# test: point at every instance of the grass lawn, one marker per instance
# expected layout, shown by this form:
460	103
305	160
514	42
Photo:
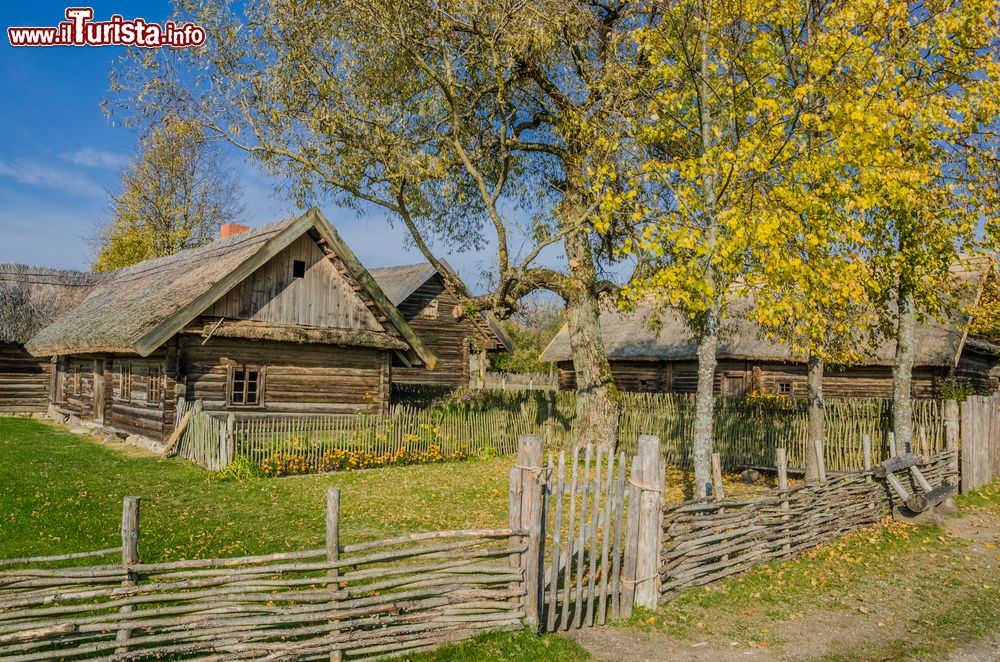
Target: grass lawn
61	492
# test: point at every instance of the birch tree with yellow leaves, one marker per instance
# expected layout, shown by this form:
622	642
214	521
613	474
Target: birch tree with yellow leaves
922	130
720	118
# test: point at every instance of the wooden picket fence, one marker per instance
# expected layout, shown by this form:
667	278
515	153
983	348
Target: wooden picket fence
747	432
980	441
378	439
204	440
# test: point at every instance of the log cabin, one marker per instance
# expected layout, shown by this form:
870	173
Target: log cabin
275	322
30	298
662	358
431	306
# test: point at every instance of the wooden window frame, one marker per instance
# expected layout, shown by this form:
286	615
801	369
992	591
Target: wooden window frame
431	311
231	381
154	385
124	381
782	386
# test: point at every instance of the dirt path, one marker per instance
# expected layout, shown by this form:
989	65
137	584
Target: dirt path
855	630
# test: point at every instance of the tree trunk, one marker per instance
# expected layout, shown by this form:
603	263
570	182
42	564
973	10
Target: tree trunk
704	405
816	412
902	371
597	403
708	333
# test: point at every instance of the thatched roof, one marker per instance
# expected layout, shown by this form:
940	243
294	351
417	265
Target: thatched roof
136	309
649	335
400	282
31	297
635	337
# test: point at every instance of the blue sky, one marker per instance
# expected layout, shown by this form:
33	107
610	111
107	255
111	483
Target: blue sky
59	154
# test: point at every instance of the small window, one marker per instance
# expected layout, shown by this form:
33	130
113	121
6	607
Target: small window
784	388
246	388
154	388
298	269
125	381
430	311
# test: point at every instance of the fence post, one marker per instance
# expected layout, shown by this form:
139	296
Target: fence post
951	435
781	459
130	556
333	549
718	491
228	441
820	461
526	510
641	585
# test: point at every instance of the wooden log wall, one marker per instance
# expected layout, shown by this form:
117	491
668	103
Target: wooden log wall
709	540
24	381
388	597
300	380
736	378
429	312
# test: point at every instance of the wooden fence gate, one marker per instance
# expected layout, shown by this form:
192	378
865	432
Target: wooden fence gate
593	527
980	441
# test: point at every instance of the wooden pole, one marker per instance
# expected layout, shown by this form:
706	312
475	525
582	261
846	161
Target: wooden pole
820	463
650	537
130	557
333	550
781	459
718	491
529	464
866	455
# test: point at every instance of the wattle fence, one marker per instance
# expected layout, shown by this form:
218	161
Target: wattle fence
583	543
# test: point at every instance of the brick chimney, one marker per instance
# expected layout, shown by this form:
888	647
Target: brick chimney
229	229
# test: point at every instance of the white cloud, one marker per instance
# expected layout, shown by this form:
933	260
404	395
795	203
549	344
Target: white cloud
40	174
92	157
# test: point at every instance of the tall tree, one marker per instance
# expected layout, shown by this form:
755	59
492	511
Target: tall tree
174	195
459	119
812	292
717	130
926	194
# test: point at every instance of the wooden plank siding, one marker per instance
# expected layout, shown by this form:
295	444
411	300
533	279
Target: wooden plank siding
24	380
734	378
448	338
322	297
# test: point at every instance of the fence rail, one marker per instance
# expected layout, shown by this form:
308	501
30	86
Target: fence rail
365	601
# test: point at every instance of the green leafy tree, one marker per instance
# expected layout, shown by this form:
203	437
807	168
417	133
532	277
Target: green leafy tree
174	195
531	329
461	120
